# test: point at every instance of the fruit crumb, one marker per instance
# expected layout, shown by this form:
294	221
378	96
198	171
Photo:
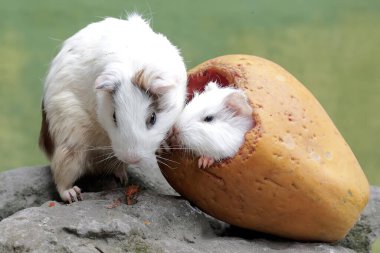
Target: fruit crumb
114	204
131	193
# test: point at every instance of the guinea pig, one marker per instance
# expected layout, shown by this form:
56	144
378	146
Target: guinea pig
213	124
110	96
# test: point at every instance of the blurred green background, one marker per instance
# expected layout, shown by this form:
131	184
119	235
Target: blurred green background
332	47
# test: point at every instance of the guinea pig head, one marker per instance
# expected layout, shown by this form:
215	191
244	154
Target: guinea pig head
137	110
214	122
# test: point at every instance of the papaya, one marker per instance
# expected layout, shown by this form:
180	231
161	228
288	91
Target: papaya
294	176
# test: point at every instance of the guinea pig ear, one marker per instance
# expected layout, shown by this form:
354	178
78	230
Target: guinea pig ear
107	82
159	88
238	103
152	83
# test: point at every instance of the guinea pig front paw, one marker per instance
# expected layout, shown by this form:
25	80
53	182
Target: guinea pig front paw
72	195
205	162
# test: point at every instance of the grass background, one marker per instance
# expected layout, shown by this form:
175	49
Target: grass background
332	47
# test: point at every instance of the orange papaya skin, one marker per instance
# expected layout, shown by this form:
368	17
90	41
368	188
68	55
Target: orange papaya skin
294	176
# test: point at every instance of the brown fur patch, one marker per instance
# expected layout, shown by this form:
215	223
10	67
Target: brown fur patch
46	143
157	104
139	80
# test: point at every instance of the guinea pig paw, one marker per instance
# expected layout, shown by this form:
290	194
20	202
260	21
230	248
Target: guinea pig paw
78	192
205	162
72	195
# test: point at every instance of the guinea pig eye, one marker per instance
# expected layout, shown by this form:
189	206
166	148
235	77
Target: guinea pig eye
208	119
151	120
114	117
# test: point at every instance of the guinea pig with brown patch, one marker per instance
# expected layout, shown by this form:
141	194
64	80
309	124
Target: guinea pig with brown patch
111	94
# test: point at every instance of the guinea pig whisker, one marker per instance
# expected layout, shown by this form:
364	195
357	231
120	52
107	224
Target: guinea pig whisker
176	146
98	147
115	164
93	148
166	159
108	167
161	162
164	172
112	164
108	157
103	155
173	148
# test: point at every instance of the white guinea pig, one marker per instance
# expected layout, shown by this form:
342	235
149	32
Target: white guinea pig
113	91
213	124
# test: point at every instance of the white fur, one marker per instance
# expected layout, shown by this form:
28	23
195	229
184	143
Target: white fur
220	138
80	115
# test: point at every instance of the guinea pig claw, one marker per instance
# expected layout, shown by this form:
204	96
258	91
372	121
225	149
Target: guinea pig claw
205	162
72	195
78	192
66	196
210	162
200	162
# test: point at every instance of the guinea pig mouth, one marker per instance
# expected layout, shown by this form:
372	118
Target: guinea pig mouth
198	81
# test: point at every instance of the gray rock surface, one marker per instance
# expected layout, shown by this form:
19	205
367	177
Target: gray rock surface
33	186
367	229
156	223
23	188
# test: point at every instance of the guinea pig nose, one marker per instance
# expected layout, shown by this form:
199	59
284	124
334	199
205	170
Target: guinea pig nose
174	130
173	136
132	159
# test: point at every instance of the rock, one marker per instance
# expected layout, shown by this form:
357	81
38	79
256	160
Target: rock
24	187
156	223
33	186
367	229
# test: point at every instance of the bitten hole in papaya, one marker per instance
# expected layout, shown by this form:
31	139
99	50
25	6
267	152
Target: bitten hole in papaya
197	81
224	77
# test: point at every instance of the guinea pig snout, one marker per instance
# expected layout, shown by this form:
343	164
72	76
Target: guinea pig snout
131	159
